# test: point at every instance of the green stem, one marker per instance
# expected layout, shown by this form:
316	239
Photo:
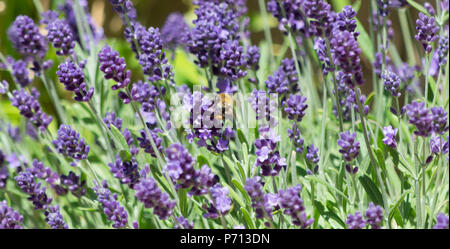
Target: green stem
372	158
267	33
417	189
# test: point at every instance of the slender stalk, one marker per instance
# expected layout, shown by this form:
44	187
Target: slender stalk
372	158
417	189
103	127
267	33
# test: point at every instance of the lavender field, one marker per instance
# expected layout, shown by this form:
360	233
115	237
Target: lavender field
235	114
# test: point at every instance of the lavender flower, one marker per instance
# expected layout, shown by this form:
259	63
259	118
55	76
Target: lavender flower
383	7
148	192
183	223
174	32
442	49
312	157
216	24
438	145
203	181
72	77
321	17
427	30
111	119
68	9
30	108
180	166
4	87
152	58
146	95
389	136
296	107
145	143
374	215
69	144
293	18
60	35
345	52
111	207
54	218
14	133
391	83
442	221
9	218
20	72
296	139
293	206
320	46
346	21
74	184
233	60
114	67
420	117
355	221
126	171
268	158
49	16
26	182
429	8
221	202
3	171
263	207
349	146
439	120
284	79
253	56
26	39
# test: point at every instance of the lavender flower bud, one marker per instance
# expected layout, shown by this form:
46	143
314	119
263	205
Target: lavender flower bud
420	117
374	215
220	198
439	122
442	221
111	207
26	39
60	35
72	77
174	32
54	218
391	83
349	146
126	171
296	107
183	223
114	67
148	192
69	144
9	218
355	221
427	30
293	206
111	119
30	108
389	136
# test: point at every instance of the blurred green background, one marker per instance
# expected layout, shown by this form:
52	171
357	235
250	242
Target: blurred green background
154	13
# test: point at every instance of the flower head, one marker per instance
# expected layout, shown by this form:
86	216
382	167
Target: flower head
9	218
54	218
111	207
355	221
26	39
72	77
374	215
349	146
69	143
389	136
60	35
29	107
427	31
114	67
